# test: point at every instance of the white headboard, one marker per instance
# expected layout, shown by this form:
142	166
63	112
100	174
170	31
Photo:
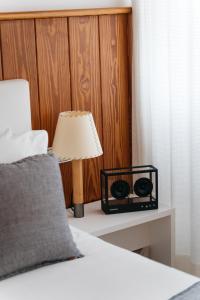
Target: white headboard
15	110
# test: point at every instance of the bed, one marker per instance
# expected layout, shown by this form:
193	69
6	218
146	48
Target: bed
105	271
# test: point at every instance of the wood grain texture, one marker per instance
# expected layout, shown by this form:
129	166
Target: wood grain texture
64	13
54	79
1	71
115	91
132	98
86	89
53	71
77	175
84	66
131	82
19	58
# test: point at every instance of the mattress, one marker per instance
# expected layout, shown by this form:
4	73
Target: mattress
105	272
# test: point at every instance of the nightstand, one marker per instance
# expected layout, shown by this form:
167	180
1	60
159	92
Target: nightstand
133	230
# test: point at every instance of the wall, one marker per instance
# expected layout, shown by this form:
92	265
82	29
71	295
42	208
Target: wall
75	63
24	5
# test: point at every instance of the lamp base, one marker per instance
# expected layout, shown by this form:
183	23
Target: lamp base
79	210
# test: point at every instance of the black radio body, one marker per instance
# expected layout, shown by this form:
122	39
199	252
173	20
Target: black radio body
129	189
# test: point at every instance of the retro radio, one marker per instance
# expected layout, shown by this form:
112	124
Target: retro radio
129	189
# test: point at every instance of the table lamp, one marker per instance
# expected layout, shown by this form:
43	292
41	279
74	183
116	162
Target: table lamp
75	139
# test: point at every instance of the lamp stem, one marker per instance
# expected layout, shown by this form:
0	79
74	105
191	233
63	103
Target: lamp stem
77	174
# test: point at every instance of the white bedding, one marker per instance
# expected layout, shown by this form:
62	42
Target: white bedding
106	272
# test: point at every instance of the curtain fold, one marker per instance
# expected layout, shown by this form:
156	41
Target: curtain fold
167	96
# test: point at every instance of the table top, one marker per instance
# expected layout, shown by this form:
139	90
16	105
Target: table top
97	223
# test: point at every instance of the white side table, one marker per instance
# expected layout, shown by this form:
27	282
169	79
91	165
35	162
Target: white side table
132	230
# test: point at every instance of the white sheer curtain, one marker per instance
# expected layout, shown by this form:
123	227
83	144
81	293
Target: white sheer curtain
167	85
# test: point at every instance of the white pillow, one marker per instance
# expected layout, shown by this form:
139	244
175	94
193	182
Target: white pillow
15	147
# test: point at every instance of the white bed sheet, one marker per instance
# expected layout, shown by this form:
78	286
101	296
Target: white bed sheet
106	272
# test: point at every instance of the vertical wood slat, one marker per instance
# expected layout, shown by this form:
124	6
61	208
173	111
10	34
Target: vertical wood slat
54	80
115	91
19	58
132	119
1	71
86	89
1	75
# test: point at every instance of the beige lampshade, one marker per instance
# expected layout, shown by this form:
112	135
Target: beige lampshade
76	136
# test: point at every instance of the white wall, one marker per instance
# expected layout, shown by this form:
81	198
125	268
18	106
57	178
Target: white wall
25	5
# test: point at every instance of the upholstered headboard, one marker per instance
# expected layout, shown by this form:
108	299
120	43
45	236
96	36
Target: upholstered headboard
15	105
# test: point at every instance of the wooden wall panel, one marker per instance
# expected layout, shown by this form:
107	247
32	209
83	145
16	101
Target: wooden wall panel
54	79
1	71
115	91
86	89
131	87
53	71
81	63
19	58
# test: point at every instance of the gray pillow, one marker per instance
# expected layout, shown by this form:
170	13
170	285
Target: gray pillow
33	220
